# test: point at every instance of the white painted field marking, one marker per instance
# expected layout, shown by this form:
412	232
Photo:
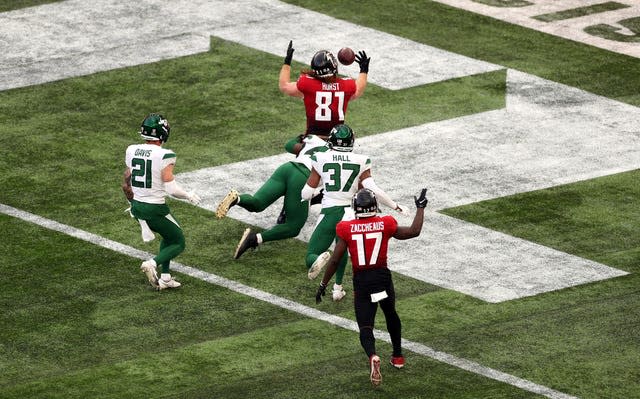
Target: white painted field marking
284	303
76	37
572	28
525	147
453	254
548	134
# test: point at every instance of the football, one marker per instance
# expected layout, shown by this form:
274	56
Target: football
346	56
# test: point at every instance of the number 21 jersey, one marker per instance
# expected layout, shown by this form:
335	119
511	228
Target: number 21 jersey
146	162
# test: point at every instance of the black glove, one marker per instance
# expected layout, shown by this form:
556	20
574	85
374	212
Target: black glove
317	199
322	290
287	59
421	202
363	61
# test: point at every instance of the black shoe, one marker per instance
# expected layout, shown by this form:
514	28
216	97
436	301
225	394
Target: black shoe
317	199
249	240
282	218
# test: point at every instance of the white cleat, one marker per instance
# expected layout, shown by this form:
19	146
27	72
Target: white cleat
148	267
163	285
318	265
375	376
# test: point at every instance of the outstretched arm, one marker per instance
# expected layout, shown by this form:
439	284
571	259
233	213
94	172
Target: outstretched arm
284	81
173	188
366	180
361	81
406	232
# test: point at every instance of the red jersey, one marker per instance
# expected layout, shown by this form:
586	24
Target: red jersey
367	240
325	103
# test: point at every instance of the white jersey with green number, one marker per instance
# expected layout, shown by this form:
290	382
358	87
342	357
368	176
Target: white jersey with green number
340	174
312	144
146	162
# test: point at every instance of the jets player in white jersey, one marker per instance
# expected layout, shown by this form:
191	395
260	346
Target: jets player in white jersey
286	181
147	180
341	173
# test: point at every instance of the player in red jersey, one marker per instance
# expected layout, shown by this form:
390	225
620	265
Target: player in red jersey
367	238
326	96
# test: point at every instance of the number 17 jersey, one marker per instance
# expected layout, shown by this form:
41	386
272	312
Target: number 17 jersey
367	240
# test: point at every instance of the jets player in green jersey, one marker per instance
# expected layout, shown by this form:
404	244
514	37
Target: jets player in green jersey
340	172
287	181
148	179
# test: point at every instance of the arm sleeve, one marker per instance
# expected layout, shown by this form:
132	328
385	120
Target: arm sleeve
172	188
168	159
289	146
307	192
380	194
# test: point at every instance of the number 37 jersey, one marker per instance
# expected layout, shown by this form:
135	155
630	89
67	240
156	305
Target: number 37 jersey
340	175
367	240
146	162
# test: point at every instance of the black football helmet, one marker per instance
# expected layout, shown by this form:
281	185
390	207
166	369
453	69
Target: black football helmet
364	204
155	127
324	64
341	138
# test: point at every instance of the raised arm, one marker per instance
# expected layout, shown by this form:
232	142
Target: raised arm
361	81
284	81
406	232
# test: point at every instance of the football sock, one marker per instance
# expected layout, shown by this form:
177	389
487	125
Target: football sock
367	341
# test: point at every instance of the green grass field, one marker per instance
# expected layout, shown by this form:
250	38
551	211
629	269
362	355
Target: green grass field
80	321
9	5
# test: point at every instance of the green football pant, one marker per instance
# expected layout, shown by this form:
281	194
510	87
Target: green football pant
172	243
288	181
160	220
322	237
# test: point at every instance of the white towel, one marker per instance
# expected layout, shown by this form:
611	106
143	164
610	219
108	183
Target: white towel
147	234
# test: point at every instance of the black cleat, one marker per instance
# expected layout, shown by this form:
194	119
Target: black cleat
249	240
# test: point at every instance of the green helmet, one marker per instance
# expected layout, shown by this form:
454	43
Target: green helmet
155	127
341	138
